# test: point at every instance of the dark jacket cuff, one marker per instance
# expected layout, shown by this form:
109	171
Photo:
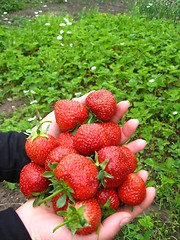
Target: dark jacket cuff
11	226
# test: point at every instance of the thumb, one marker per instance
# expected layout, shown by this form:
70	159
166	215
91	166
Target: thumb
112	225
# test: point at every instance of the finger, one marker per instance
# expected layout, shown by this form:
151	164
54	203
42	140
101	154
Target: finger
137	145
112	225
143	174
128	130
122	108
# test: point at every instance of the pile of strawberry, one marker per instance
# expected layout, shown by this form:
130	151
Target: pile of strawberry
85	173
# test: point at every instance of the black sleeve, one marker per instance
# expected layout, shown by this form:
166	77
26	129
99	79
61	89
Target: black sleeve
12	155
11	226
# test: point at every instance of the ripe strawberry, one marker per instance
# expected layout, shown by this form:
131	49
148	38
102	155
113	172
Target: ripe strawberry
57	154
31	180
65	139
69	113
133	190
117	166
104	194
113	131
90	138
58	205
102	103
39	144
131	158
80	174
83	218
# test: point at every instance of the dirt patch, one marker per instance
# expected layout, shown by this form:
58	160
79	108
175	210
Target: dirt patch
71	7
10	106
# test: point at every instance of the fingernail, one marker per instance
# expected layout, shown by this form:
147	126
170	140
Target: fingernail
125	221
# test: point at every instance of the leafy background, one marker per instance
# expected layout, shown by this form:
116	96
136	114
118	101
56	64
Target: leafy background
134	55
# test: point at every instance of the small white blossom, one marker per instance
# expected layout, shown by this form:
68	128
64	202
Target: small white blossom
59	37
33	92
40	11
66	20
65	0
31	119
36	13
70	44
62	24
4	13
62	44
93	68
47	24
69	23
25	91
78	93
122	44
5	19
62	31
45	6
151	80
32	102
174	113
68	32
148	6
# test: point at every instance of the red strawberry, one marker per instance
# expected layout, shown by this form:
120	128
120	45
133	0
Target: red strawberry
83	218
113	131
39	144
57	154
69	113
57	206
65	139
104	194
90	138
31	180
133	190
80	174
117	166
102	103
131	158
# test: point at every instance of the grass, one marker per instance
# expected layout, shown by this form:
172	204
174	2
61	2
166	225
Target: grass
136	58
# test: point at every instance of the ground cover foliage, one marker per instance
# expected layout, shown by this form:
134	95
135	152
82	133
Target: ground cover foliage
53	57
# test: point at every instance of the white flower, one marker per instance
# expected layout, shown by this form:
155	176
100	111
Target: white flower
68	32
31	119
62	44
65	0
40	11
4	13
36	13
174	113
25	91
78	93
69	23
66	20
33	92
62	31
5	19
93	68
59	37
47	24
45	6
62	24
122	43
148	6
151	80
70	44
32	102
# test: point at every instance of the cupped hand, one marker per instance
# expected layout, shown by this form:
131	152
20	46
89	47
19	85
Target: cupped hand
40	220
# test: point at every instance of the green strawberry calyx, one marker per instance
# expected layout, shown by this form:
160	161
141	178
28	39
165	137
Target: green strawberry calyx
74	218
39	132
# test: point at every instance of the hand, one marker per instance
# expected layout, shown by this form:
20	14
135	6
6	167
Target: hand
40	221
126	131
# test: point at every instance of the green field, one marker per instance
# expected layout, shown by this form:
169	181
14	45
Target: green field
134	56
